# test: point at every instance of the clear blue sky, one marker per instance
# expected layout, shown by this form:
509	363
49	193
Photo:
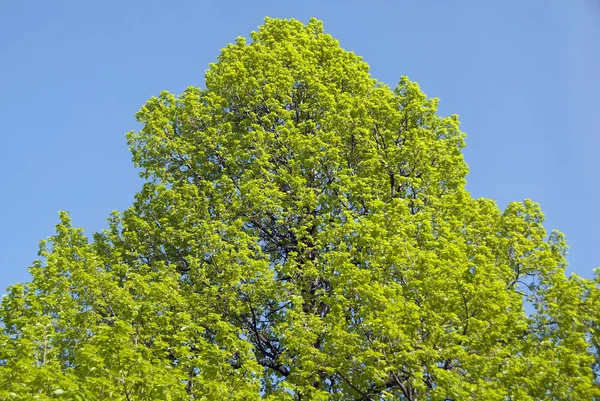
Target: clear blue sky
522	75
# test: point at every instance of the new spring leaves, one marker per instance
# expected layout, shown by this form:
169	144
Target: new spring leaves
304	234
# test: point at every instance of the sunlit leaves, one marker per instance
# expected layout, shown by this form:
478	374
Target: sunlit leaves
304	233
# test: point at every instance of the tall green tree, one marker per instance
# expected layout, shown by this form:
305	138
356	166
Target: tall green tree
304	233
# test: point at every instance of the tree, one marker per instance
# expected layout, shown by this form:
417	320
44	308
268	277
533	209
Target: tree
304	234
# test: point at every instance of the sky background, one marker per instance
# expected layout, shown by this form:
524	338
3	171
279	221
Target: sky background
522	75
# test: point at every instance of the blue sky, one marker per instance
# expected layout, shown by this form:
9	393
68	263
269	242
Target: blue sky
522	75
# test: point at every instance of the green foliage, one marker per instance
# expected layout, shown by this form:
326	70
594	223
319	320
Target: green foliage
304	234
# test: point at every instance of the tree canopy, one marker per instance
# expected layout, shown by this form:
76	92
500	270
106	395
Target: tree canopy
304	233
